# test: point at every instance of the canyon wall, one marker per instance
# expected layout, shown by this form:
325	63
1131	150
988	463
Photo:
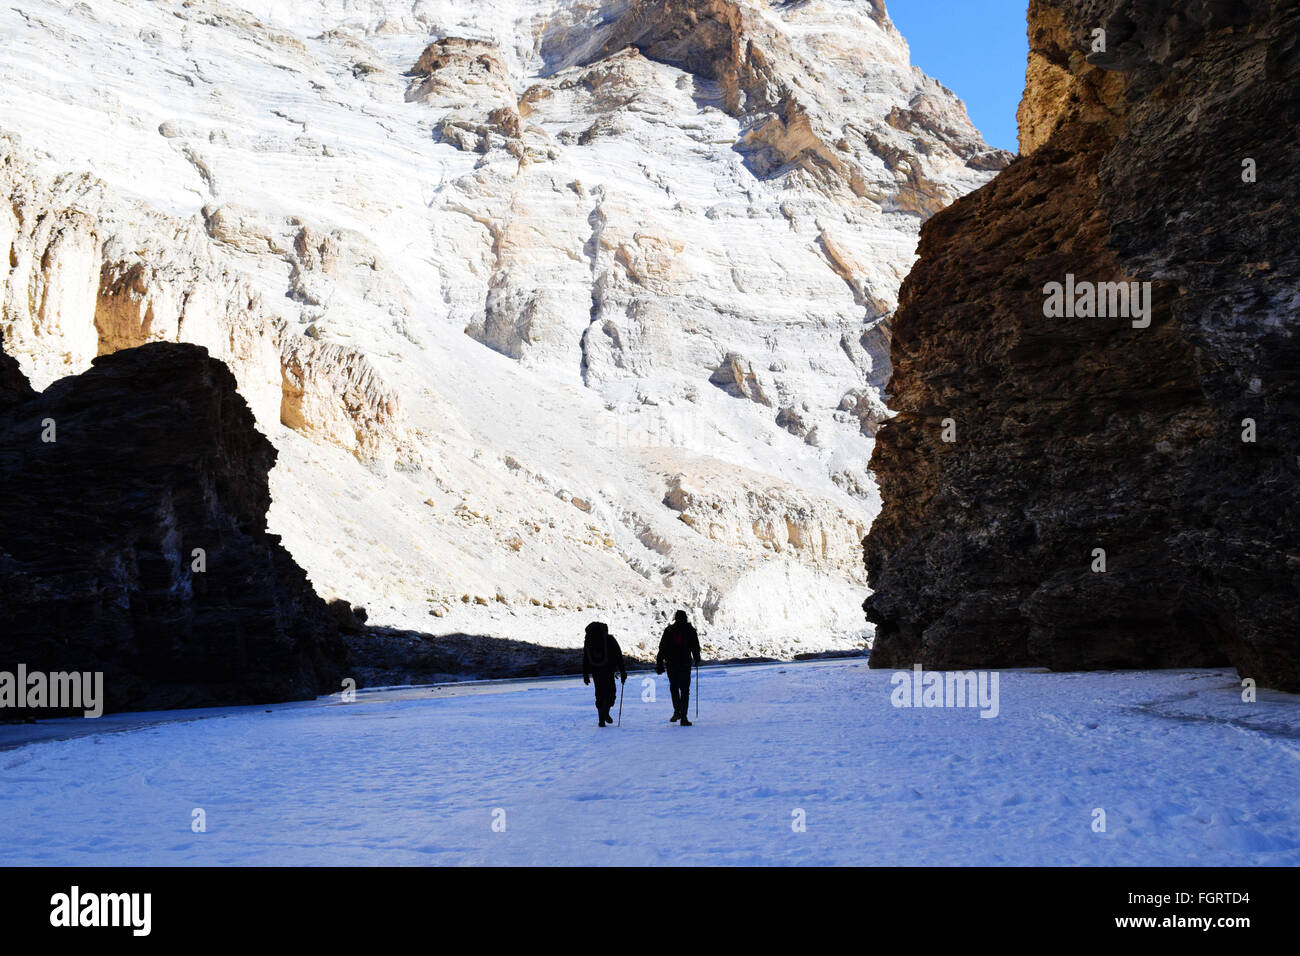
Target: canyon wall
133	499
1119	491
550	307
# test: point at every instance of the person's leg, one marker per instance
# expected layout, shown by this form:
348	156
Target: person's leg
683	679
608	694
676	695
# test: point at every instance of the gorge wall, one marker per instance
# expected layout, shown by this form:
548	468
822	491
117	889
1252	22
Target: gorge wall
133	499
1027	448
549	307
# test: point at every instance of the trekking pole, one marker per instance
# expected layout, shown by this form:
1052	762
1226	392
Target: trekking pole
620	703
697	690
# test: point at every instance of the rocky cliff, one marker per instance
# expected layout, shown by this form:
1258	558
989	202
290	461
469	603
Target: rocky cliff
1090	486
548	306
133	499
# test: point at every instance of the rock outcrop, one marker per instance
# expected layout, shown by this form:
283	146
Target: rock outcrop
1119	491
133	502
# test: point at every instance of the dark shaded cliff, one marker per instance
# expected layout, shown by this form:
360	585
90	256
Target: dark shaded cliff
1084	433
154	455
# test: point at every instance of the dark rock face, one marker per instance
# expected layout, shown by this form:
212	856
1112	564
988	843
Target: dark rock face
155	455
384	656
14	387
1074	434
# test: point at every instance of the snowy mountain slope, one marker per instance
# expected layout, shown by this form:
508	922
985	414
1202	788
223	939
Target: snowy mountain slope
548	306
417	776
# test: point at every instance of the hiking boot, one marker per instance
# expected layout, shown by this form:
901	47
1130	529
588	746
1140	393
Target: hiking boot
686	723
674	718
602	721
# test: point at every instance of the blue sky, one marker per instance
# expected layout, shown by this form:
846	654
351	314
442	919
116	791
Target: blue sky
977	49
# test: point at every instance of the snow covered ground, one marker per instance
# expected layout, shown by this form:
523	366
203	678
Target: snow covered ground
1185	771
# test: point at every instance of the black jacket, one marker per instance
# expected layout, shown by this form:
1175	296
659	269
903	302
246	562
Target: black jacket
602	655
678	647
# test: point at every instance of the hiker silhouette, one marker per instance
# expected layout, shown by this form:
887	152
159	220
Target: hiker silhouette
602	658
678	648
